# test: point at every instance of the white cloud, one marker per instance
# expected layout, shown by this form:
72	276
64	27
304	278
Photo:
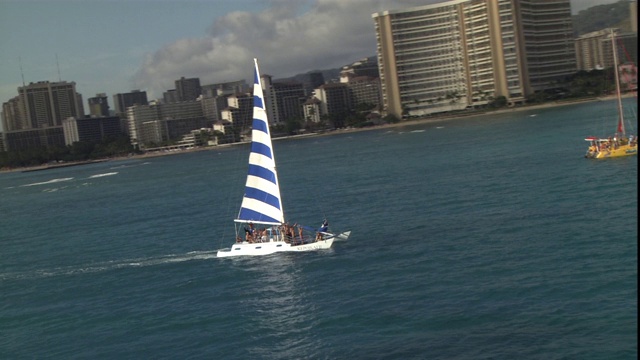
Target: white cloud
287	41
289	37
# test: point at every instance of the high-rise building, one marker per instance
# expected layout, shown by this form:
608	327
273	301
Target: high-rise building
365	90
312	110
546	40
125	100
170	96
335	102
465	53
212	106
239	110
12	115
159	122
188	89
594	49
46	104
99	105
289	98
365	67
34	118
270	99
310	81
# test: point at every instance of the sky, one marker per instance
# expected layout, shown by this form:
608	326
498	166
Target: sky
115	46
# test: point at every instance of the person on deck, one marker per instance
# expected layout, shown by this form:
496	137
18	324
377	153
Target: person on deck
249	232
299	231
323	228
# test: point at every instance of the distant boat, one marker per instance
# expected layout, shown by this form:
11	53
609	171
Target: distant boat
262	205
618	144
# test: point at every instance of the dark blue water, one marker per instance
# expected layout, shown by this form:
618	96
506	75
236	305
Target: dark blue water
483	238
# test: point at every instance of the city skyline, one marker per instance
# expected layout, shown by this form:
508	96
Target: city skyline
116	46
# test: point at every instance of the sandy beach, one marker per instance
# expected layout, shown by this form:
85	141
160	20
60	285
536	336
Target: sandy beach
432	119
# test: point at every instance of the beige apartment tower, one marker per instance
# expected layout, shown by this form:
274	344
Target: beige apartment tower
462	54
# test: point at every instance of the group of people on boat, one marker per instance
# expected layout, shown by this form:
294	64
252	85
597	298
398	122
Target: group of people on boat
612	143
290	233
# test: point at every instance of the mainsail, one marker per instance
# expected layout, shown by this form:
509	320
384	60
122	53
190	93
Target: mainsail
261	203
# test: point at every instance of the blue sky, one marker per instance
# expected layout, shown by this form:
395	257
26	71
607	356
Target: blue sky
114	46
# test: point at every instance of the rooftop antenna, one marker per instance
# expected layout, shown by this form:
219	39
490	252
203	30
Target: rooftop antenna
21	72
58	65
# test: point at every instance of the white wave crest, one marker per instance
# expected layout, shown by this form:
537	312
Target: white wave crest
102	175
48	182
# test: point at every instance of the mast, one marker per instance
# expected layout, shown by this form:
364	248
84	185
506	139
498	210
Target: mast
620	128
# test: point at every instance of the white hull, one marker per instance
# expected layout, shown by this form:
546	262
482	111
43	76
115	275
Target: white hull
271	247
266	248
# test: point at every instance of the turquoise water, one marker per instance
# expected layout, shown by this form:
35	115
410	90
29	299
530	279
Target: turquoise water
483	238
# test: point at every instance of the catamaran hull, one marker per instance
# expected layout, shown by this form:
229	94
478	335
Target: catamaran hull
266	248
271	247
342	236
624	150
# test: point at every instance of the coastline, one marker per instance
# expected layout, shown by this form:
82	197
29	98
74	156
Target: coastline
434	119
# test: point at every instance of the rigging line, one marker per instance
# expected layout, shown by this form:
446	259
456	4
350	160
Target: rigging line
629	59
621	46
318	201
233	188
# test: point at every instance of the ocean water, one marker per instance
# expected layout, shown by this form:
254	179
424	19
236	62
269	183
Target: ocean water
483	238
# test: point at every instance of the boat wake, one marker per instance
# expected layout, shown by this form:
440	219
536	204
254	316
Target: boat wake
109	266
60	180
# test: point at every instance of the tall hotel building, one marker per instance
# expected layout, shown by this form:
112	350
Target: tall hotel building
34	118
464	53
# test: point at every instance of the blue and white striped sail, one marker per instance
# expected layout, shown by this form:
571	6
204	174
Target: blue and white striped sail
261	203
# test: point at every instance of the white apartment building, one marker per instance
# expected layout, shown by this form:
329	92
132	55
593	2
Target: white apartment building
465	53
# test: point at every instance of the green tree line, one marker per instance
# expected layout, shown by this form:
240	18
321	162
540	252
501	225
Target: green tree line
78	151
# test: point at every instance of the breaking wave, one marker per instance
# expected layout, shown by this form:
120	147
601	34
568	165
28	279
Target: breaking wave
48	182
102	175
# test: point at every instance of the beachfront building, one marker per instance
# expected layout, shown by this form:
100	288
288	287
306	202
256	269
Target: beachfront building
157	123
289	98
364	90
312	110
594	51
283	99
462	54
335	102
93	129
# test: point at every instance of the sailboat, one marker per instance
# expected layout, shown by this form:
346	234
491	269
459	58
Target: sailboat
261	228
619	144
